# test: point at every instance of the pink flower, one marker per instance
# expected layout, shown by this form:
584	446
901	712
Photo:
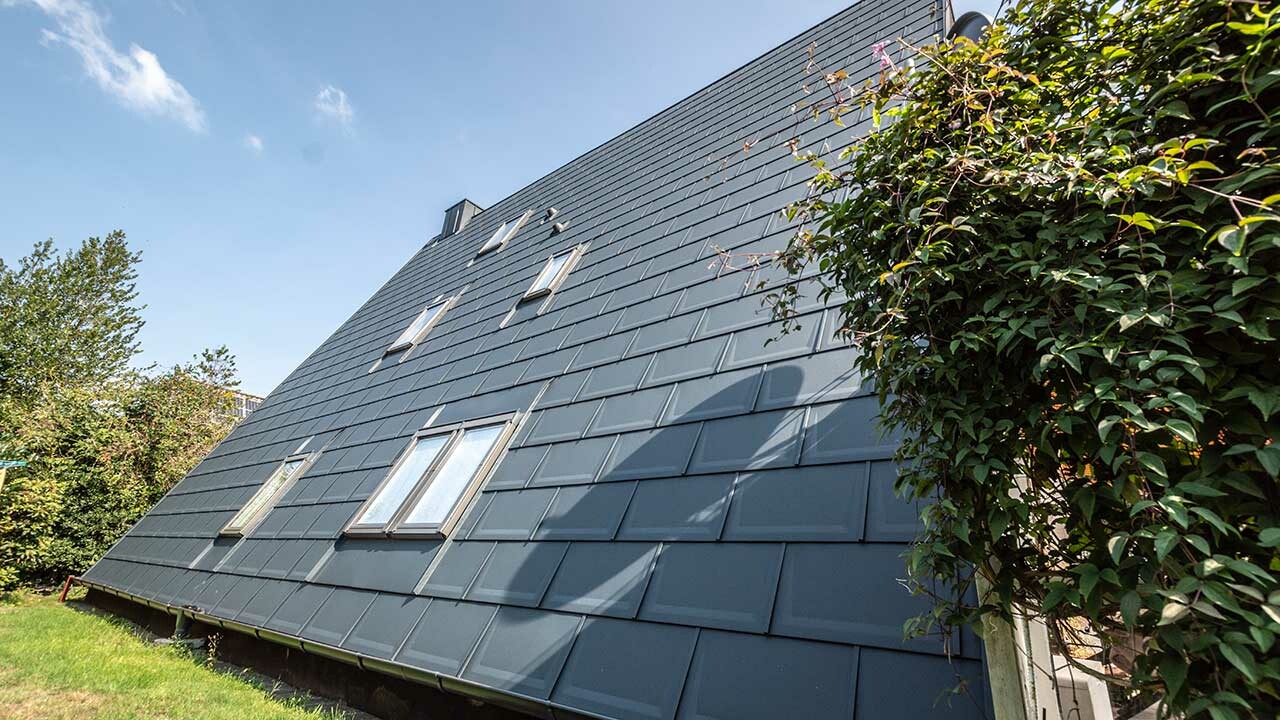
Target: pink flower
877	51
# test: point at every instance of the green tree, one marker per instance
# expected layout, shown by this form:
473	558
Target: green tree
68	319
104	442
1061	250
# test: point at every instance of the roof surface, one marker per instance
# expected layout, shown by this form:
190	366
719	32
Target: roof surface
691	523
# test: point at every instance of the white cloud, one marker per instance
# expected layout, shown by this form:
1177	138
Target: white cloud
331	102
254	143
135	79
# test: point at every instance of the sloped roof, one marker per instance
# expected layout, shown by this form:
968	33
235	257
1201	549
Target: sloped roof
690	523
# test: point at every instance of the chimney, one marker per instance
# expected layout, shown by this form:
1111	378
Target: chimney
457	217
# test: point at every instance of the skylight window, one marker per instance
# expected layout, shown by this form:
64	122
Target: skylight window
504	233
554	272
428	488
256	509
422	324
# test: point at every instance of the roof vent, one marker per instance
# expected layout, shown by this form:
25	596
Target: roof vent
969	25
457	217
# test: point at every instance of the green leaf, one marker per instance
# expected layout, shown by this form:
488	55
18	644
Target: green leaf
1130	604
1173	670
1116	545
1270	537
1165	541
1241	659
1173	505
1153	463
1182	429
1266	402
1232	238
1269	457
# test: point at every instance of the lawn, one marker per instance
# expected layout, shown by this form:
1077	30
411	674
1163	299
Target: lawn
57	661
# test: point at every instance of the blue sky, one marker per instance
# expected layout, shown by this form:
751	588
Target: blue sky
277	161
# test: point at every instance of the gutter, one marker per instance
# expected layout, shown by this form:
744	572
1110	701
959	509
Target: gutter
445	683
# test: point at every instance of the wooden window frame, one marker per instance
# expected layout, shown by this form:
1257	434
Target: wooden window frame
248	525
399	344
398	526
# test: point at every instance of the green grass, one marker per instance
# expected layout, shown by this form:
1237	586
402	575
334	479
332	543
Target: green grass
59	662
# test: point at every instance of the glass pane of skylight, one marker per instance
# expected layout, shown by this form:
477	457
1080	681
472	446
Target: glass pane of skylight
496	239
453	478
424	319
549	272
407	474
258	502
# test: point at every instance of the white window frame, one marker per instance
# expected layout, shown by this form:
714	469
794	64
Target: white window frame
504	233
405	342
398	524
272	496
574	254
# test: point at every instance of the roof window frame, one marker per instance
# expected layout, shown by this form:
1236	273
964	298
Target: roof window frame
402	343
398	525
244	528
575	254
490	246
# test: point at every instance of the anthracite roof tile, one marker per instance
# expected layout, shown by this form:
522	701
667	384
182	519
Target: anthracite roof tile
615	378
312	552
445	635
570	463
385	625
720	585
668	333
337	615
647	312
517	573
650	453
749	442
376	564
602	578
690	508
632	411
209	595
721	395
749	347
234	601
566	422
889	517
513	514
457	568
848	593
523	651
739	676
688	361
598	352
298	608
516	467
846	431
817	378
678	471
265	601
585	512
881	691
643	682
815	503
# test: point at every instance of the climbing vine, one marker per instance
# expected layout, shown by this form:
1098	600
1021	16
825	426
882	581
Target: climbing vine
1061	252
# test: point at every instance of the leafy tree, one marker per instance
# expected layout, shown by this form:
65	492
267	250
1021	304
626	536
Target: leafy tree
68	319
1061	250
105	442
